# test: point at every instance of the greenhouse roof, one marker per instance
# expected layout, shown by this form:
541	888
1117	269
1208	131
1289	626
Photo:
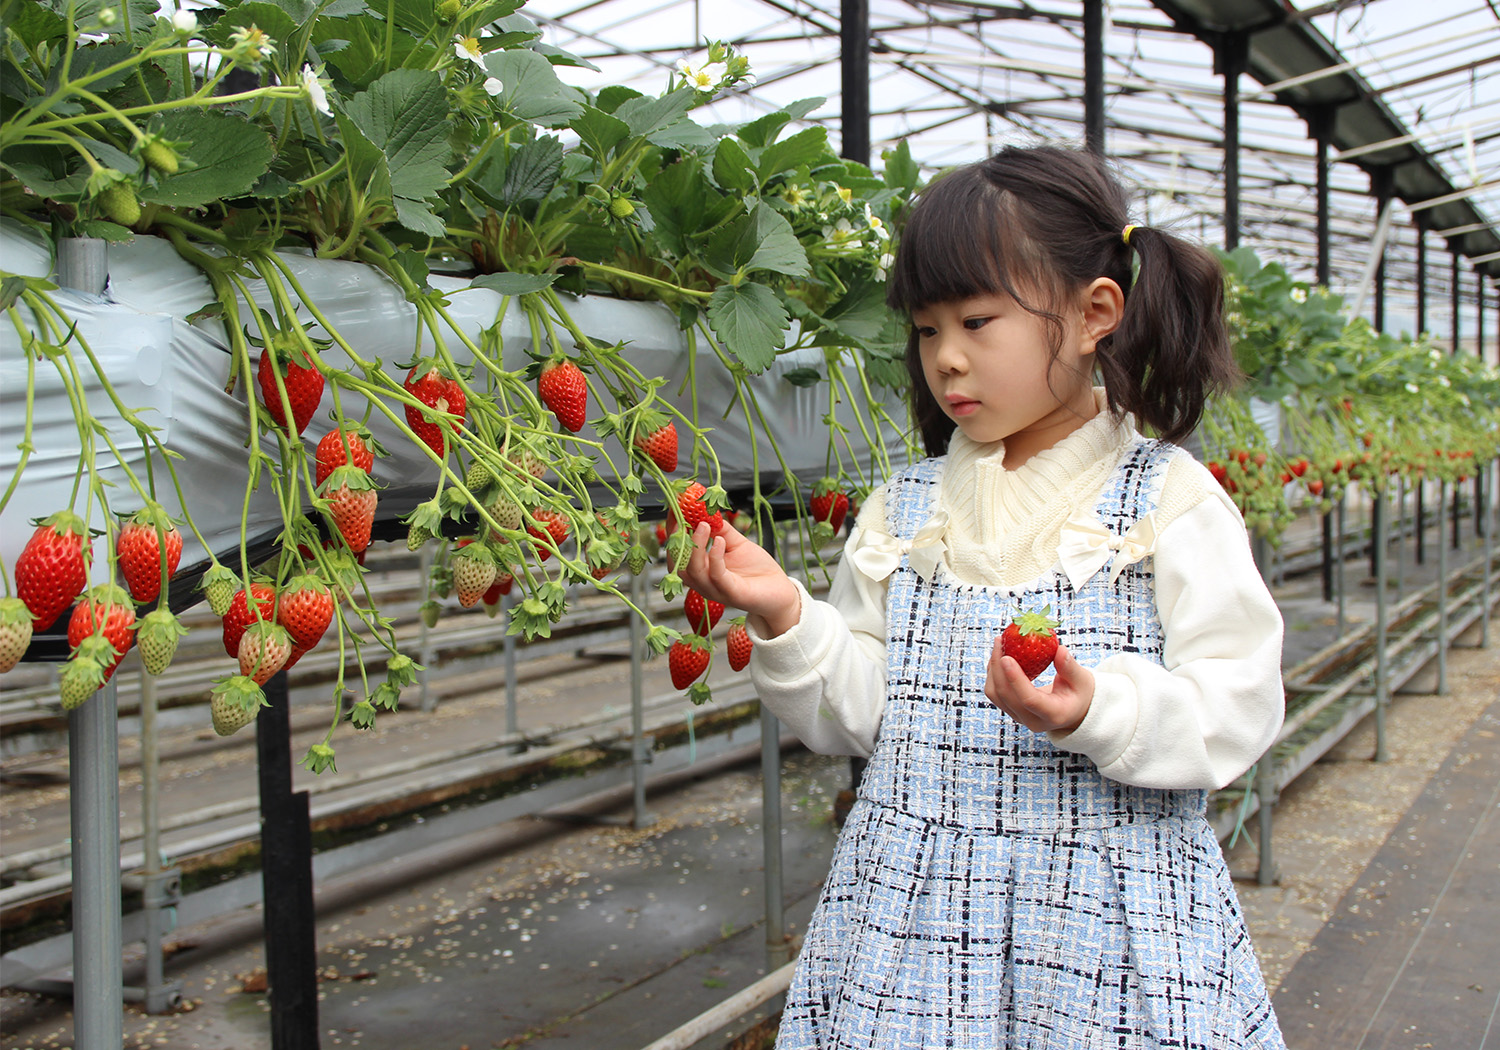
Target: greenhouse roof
1416	91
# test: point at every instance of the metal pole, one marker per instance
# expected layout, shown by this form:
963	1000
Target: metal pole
1400	535
1338	565
161	888
1457	320
640	754
1489	531
1093	76
1231	55
508	646
1421	554
854	69
1382	671
1421	278
94	804
424	634
1442	599
286	880
778	951
1322	129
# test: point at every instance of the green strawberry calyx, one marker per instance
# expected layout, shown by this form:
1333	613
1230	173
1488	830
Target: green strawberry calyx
1036	623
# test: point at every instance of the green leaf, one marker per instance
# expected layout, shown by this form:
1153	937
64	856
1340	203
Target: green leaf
405	113
750	321
532	91
34	24
363	58
90	59
685	135
105	231
47	171
600	131
805	147
645	114
760	240
271	19
901	172
229	155
733	169
860	314
614	96
763	130
368	170
514	283
803	376
677	198
558	57
532	171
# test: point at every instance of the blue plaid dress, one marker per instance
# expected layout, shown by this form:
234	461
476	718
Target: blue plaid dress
992	892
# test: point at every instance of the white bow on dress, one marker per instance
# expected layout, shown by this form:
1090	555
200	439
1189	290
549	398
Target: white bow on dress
880	553
1086	545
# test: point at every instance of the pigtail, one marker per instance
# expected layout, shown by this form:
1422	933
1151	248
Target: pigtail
1171	351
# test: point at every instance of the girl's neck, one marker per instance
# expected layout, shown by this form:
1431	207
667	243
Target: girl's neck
1046	433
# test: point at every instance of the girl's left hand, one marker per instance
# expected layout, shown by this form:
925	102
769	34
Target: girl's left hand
1059	705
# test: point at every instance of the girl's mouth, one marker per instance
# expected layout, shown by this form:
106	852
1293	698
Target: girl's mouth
962	406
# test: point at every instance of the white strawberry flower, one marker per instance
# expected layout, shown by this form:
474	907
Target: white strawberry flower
873	222
317	93
1299	295
468	47
706	77
492	86
883	267
253	44
185	22
842	235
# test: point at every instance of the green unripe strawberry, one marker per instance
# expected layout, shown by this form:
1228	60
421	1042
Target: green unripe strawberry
80	679
117	202
235	701
161	157
157	638
218	586
417	535
448	10
637	559
477	476
621	207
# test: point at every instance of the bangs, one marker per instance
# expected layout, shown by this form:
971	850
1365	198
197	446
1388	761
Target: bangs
962	239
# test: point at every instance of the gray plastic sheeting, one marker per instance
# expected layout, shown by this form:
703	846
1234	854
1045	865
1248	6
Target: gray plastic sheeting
175	372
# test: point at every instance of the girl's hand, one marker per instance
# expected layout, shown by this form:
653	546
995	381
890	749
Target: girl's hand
735	570
1059	705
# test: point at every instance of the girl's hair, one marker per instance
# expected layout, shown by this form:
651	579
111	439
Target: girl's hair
1039	224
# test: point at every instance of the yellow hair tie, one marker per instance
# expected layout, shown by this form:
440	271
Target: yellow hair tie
1125	234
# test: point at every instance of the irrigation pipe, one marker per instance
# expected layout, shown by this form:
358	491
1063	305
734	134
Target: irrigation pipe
714	1018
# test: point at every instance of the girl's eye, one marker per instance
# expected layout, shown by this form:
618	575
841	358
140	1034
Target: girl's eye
925	331
973	324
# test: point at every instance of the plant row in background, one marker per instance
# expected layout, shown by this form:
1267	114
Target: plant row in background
422	139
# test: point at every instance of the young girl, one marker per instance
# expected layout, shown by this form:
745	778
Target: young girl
1028	865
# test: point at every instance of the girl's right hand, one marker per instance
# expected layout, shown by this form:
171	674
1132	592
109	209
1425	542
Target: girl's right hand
735	570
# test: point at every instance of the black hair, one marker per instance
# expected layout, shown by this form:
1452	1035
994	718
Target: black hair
1043	222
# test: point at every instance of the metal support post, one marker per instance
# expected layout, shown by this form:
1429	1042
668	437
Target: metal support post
1489	531
1266	873
424	633
1338	564
1421	555
1442	599
1458	518
161	887
640	751
854	69
508	646
1093	76
1327	525
778	951
1400	535
94	804
286	880
1230	58
1382	660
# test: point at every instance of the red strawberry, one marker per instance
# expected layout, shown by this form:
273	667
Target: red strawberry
53	569
15	632
556	525
473	568
702	613
138	549
351	500
688	659
1032	640
691	509
305	609
564	390
829	503
110	605
1299	466
303	382
739	644
331	453
499	589
660	445
1315	486
264	649
239	615
435	390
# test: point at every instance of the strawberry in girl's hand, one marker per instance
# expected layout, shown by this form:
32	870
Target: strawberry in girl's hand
331	454
1031	639
829	503
688	659
691	509
702	613
738	642
563	389
53	569
138	549
351	500
106	604
303	382
435	390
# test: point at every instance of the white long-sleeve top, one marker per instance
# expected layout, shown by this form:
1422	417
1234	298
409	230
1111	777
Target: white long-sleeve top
1199	721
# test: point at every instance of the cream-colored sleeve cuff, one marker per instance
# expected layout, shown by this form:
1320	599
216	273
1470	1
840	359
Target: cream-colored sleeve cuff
1110	724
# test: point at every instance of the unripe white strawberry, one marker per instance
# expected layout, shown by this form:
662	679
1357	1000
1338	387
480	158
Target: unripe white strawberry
15	632
234	703
264	650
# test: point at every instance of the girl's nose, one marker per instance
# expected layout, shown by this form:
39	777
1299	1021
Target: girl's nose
947	357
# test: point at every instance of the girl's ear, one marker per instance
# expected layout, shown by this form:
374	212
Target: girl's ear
1103	307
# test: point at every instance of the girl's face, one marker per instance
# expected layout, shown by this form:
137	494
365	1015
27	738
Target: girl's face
989	364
